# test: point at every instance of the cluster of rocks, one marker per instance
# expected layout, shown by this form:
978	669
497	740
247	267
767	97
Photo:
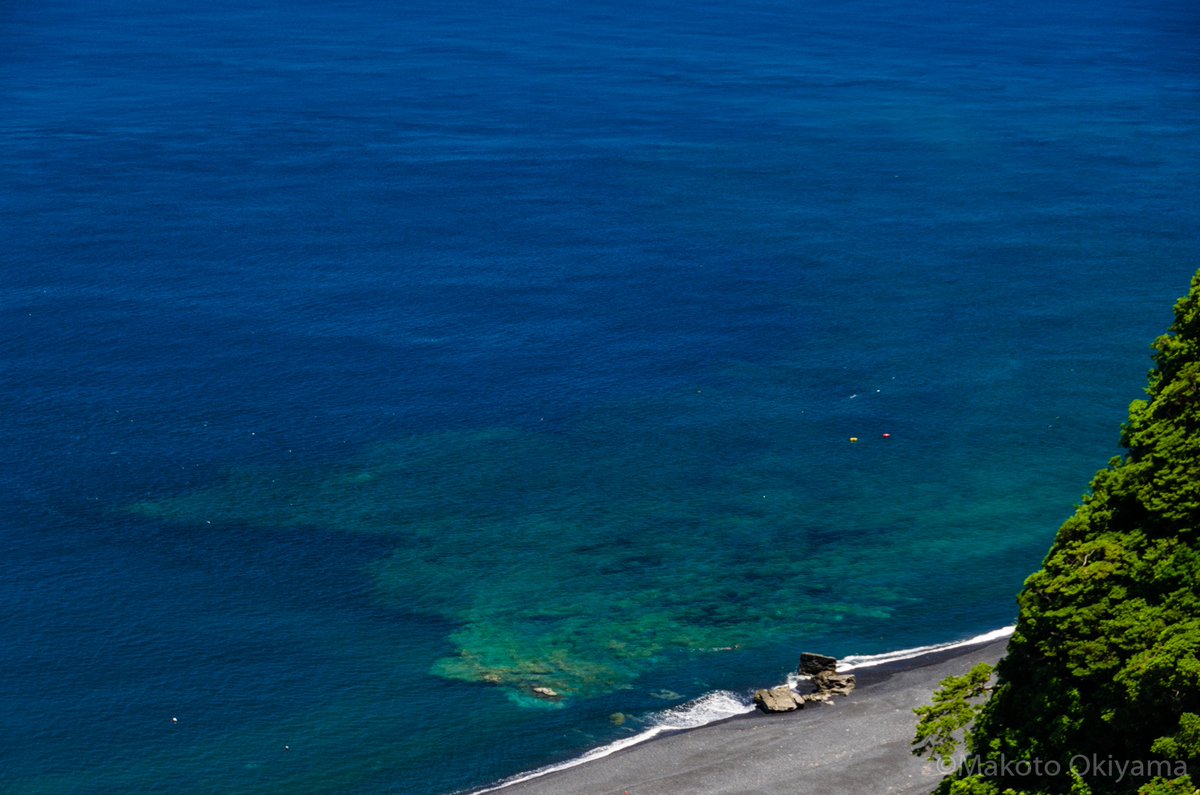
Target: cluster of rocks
822	675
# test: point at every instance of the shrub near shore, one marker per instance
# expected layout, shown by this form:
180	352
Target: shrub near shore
1105	660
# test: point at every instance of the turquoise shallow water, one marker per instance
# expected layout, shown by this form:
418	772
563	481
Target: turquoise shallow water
369	367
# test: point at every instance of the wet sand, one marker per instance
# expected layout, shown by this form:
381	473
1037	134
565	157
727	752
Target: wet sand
859	745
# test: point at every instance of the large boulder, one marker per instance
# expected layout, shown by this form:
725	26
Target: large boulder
834	683
813	664
777	699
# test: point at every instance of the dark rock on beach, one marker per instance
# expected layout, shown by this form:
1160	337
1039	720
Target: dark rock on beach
834	683
813	664
778	699
826	683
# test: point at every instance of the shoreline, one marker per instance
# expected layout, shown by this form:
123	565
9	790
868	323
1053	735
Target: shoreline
859	744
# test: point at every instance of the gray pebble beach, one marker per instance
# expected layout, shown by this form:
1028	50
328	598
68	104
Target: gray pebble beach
858	745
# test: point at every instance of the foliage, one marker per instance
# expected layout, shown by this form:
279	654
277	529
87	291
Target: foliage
1105	659
1185	743
1078	785
954	707
1176	786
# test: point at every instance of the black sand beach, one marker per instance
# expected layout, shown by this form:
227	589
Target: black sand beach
857	746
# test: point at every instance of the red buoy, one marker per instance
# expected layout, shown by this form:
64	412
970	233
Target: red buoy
887	436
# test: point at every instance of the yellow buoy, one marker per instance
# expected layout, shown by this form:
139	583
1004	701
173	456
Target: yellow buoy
854	438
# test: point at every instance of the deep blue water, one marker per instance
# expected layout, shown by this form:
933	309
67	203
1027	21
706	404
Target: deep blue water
366	365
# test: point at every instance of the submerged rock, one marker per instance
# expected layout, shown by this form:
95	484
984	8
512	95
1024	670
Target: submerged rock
665	695
813	664
777	699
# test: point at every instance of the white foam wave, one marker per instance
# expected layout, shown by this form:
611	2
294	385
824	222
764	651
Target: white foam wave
855	661
868	660
709	708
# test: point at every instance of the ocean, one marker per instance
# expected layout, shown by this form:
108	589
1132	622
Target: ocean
369	365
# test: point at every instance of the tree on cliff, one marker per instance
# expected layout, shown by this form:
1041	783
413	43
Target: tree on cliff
1100	689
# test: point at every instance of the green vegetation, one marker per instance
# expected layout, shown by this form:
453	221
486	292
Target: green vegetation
955	706
1100	689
